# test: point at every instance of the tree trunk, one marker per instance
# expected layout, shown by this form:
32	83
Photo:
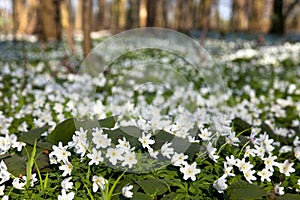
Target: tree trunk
205	19
115	14
133	13
78	15
86	26
122	15
239	15
159	19
277	18
49	16
143	13
179	14
257	12
165	6
101	12
66	23
151	12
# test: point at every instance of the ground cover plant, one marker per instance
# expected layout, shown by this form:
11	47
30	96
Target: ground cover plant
152	142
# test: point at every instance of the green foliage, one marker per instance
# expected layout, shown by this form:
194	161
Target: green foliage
153	187
244	190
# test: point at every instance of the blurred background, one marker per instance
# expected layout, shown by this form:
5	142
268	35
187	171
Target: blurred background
57	20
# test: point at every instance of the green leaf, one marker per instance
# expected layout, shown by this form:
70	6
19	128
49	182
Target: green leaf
169	196
16	165
154	186
289	197
63	132
108	122
32	135
244	190
139	196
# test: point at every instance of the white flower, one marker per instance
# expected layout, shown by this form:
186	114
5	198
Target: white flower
296	141
178	159
124	144
99	139
60	153
243	165
205	134
66	184
190	171
33	179
285	149
95	157
297	153
99	181
126	191
249	152
152	153
4	144
81	134
5	197
166	150
265	174
65	196
259	151
15	143
254	132
278	189
114	155
18	184
220	184
268	143
146	141
270	162
231	161
129	159
227	170
211	151
2	188
249	175
67	168
4	174
232	140
286	168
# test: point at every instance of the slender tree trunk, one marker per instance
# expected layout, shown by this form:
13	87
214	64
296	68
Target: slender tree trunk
143	13
277	18
179	14
165	5
240	18
86	26
159	20
205	20
49	13
122	15
257	12
133	14
78	15
189	15
101	12
115	14
151	12
66	23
